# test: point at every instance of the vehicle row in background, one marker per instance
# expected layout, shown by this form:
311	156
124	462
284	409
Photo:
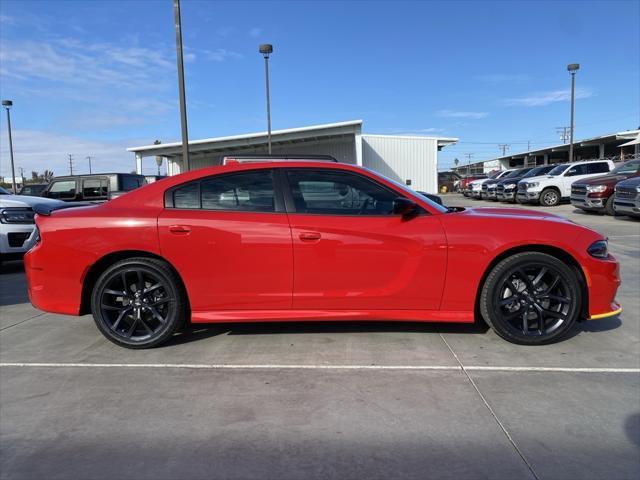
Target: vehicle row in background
589	185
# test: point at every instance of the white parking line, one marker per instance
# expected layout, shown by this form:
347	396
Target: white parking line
223	366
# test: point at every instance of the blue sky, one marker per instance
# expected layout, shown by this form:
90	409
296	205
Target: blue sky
93	77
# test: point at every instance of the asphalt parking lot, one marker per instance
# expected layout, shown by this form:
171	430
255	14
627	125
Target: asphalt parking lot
303	401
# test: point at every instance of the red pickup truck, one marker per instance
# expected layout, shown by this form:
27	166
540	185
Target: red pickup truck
596	194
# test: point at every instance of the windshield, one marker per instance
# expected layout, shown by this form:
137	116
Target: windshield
495	174
629	167
515	173
431	203
3	191
558	170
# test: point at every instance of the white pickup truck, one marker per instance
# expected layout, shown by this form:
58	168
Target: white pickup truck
555	186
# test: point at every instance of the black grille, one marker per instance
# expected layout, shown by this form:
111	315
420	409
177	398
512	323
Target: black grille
626	192
17	239
522	187
500	189
484	187
578	189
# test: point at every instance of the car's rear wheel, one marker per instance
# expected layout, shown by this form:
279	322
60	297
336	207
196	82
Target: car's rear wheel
139	303
549	197
531	298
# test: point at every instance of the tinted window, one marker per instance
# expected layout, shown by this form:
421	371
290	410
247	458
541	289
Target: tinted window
130	183
628	167
249	192
338	193
558	170
94	188
63	189
597	167
187	196
578	170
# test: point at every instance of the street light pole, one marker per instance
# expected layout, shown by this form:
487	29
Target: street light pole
266	49
181	94
572	68
7	105
89	158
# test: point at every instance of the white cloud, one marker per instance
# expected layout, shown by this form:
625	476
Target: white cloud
221	54
461	114
545	98
255	32
38	150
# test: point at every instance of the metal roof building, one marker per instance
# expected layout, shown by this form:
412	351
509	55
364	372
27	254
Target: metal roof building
614	146
412	160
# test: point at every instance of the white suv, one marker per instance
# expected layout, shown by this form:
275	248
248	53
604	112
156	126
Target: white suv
551	188
17	228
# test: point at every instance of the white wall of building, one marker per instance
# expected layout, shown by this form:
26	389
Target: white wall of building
403	158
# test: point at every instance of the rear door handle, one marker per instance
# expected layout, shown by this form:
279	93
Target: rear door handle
309	236
180	229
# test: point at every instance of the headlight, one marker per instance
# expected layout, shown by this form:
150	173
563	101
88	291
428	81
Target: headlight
638	189
596	188
532	184
16	215
599	249
509	186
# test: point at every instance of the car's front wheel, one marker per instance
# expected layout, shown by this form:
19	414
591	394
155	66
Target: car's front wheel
549	197
531	298
139	303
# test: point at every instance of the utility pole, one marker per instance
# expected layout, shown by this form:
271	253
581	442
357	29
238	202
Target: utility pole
89	158
564	134
71	164
21	175
572	68
469	156
504	147
181	94
528	145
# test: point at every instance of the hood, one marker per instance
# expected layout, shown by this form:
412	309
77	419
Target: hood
511	213
604	179
538	178
23	201
512	179
631	182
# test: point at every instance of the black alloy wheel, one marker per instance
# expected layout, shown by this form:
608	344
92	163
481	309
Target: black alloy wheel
138	303
531	298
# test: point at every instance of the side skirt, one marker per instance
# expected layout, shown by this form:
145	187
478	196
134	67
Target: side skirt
224	316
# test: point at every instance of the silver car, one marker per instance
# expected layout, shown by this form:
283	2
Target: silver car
17	228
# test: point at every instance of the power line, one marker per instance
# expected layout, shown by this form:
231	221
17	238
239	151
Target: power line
504	147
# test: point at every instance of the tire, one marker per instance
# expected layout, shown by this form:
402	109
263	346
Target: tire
526	318
139	303
550	197
608	207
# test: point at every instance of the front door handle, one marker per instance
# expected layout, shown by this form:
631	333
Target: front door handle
180	229
309	236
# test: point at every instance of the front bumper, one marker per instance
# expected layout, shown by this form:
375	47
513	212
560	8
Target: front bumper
506	195
627	207
527	196
583	201
603	280
16	239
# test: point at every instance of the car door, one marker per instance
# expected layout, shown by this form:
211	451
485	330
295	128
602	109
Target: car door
570	175
229	238
352	252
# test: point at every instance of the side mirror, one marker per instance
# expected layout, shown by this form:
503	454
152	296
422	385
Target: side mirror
571	172
404	206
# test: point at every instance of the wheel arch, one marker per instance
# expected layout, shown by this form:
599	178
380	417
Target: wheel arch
559	253
94	272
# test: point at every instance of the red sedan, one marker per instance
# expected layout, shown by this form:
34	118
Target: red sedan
302	240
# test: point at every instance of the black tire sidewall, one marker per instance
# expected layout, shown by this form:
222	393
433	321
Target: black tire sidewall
157	267
496	277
